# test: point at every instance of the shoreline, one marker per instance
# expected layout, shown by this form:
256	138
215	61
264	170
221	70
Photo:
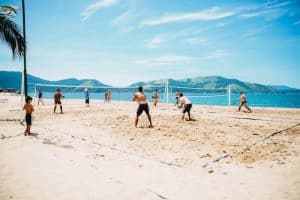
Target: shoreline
194	103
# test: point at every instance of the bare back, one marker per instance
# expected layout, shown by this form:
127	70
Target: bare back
140	97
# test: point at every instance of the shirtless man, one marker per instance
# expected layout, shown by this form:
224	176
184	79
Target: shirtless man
57	100
155	97
243	102
106	97
140	98
40	95
87	97
187	105
28	107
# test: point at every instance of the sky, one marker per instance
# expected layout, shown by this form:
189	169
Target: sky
123	41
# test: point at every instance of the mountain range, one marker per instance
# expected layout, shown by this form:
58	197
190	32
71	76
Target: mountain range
13	80
10	79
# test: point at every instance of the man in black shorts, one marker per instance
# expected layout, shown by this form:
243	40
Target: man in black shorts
140	98
57	100
187	106
243	102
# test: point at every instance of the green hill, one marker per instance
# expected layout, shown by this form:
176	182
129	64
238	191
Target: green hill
212	84
209	83
13	80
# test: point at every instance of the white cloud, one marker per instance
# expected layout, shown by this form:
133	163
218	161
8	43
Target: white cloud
278	5
268	14
157	41
123	22
164	60
92	8
127	29
213	13
121	18
271	10
217	54
172	59
196	41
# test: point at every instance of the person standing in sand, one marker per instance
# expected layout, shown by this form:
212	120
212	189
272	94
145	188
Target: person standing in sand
28	107
187	105
108	96
140	98
87	97
243	102
177	98
57	100
40	96
155	97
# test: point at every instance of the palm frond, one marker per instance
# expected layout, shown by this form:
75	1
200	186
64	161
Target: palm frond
12	35
8	10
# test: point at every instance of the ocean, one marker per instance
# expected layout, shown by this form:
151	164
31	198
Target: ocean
289	100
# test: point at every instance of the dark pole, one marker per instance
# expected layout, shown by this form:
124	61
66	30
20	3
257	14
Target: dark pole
24	35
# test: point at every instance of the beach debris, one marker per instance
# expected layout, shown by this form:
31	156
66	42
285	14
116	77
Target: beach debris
159	195
210	171
170	164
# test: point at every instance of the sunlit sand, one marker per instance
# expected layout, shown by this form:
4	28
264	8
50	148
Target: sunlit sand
96	153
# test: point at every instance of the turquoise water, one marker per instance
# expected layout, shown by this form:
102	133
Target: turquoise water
258	100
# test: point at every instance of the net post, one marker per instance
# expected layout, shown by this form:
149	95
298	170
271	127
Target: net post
229	95
34	91
22	90
167	90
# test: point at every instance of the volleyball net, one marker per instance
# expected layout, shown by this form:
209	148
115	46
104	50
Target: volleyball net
166	93
204	96
99	92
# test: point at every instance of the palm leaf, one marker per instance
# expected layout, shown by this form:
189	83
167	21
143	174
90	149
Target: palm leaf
8	10
11	34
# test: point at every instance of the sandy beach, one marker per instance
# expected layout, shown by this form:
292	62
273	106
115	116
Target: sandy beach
96	153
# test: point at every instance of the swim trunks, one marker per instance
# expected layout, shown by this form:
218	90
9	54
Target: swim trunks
28	119
187	108
141	108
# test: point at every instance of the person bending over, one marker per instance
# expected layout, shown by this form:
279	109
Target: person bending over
187	105
243	102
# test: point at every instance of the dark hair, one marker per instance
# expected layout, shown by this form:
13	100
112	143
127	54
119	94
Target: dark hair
140	89
241	92
28	98
181	94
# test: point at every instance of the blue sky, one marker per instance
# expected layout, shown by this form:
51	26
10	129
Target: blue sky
122	41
